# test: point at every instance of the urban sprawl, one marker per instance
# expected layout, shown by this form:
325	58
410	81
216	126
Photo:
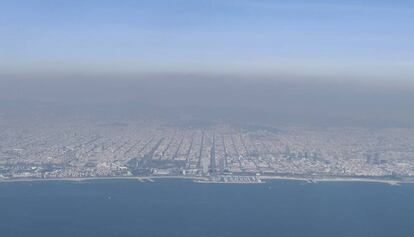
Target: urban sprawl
221	152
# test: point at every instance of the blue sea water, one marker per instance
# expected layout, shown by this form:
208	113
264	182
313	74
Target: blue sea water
183	208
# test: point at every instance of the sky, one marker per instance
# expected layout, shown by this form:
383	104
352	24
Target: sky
336	62
368	40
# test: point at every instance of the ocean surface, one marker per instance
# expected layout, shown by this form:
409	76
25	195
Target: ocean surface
183	208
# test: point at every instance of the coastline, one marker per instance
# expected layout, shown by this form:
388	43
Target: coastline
206	179
339	179
137	178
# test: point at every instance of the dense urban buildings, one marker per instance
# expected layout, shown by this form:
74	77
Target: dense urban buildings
87	148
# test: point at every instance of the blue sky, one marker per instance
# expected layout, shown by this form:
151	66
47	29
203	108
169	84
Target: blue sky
366	39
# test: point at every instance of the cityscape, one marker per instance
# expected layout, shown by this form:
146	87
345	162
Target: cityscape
219	152
206	118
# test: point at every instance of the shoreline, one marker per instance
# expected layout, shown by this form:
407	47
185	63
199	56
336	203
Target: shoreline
137	178
205	179
339	179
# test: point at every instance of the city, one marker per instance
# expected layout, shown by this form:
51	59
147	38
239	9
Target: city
220	152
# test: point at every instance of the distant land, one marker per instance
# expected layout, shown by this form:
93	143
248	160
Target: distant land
218	152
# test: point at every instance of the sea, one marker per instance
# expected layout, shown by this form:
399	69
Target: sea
180	208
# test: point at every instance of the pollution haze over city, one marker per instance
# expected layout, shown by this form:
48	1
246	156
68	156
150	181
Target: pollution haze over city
207	93
206	89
